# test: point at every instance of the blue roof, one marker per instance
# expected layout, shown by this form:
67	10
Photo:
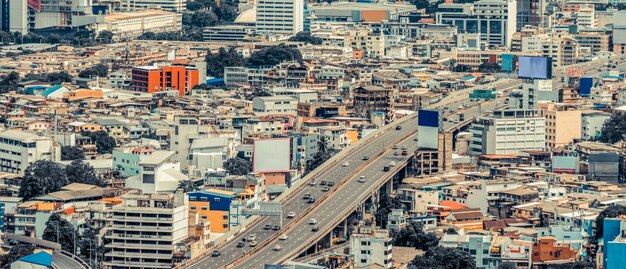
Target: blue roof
51	90
40	258
468	78
615	77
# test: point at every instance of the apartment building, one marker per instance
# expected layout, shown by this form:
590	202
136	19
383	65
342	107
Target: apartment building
592	122
371	99
371	246
279	16
144	230
619	32
595	41
267	105
562	126
586	17
508	132
159	172
364	39
18	149
153	79
563	49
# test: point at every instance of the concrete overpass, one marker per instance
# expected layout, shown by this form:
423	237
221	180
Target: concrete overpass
348	195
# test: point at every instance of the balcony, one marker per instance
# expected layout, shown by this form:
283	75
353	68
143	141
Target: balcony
133	236
139	246
137	255
141	227
137	264
141	219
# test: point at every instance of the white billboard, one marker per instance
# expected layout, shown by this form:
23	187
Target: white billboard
271	155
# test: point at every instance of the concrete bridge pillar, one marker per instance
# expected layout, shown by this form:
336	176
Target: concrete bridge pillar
389	187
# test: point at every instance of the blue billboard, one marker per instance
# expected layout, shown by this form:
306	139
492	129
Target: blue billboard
507	62
428	118
535	67
585	87
428	129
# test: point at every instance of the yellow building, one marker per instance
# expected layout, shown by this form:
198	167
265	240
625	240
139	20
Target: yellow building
562	125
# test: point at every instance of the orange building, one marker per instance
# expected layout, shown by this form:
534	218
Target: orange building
468	219
548	251
154	79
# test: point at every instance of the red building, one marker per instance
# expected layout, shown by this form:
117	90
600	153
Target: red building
164	78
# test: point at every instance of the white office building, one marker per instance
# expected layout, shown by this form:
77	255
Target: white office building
371	246
274	105
160	172
592	122
144	230
166	5
508	132
279	16
133	24
18	149
498	21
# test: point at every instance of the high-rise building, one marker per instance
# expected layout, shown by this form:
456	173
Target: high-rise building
280	16
508	132
153	79
586	17
495	20
145	229
14	14
619	32
530	12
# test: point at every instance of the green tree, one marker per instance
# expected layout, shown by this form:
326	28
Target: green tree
274	55
385	205
18	251
200	18
443	258
187	185
42	177
614	128
613	211
89	247
306	37
98	70
147	36
105	36
238	166
223	58
79	171
53	39
103	141
9	82
322	155
450	231
70	153
61	231
413	235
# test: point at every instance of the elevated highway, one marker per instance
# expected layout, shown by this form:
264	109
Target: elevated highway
348	195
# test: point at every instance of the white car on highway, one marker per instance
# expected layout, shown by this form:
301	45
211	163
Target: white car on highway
312	221
346	163
362	179
283	237
291	215
277	247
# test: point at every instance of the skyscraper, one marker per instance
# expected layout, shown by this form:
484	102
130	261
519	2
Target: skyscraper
280	16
